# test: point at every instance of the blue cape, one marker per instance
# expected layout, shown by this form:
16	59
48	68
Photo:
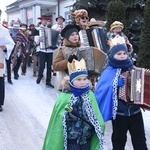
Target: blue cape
104	92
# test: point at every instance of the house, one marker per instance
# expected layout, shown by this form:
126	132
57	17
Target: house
29	10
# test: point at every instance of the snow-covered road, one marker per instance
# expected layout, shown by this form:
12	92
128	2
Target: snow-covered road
26	114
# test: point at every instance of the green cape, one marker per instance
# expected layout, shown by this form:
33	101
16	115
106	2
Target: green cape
54	139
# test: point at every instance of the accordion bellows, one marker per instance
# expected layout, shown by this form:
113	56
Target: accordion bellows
137	87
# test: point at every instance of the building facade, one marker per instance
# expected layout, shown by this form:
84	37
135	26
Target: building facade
27	11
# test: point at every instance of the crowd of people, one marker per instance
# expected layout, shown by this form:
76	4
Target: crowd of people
80	112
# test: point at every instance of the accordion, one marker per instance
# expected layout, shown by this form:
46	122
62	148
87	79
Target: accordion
50	38
94	58
137	87
96	37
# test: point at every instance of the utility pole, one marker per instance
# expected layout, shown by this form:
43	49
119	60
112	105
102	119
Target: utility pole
58	7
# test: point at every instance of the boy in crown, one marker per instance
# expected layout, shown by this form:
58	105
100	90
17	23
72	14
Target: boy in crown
125	117
76	122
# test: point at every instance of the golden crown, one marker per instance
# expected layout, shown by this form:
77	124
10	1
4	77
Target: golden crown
76	65
116	40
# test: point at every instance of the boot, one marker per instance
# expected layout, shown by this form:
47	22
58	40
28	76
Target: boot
49	84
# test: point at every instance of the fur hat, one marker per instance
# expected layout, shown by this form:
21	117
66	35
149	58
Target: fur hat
78	14
116	24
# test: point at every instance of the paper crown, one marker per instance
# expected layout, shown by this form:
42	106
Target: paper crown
116	40
76	65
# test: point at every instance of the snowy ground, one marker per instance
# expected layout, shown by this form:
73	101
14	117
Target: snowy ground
26	114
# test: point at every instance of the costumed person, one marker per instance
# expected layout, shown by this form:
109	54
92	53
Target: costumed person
116	29
20	49
81	18
125	116
6	47
59	23
45	54
24	30
67	52
8	61
31	43
59	26
76	122
87	43
34	49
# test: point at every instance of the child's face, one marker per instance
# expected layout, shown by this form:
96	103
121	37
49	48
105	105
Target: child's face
121	55
74	37
80	82
117	30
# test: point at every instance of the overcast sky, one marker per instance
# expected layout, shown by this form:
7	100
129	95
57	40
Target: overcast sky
3	4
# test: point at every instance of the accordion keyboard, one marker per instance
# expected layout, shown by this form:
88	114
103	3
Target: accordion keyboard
84	37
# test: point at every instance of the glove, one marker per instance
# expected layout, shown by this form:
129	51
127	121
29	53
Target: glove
71	57
120	82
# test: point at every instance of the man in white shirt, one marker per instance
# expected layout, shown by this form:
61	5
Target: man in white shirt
60	23
59	26
45	54
6	47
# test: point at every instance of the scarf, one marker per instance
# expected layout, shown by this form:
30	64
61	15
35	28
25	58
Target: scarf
127	63
79	91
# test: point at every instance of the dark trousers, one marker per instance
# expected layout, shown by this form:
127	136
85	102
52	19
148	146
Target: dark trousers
134	124
16	68
8	64
45	58
85	146
2	91
24	64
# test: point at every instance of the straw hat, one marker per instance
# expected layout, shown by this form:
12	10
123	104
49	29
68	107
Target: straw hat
116	24
93	22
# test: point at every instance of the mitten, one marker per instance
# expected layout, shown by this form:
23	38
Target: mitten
71	57
120	82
